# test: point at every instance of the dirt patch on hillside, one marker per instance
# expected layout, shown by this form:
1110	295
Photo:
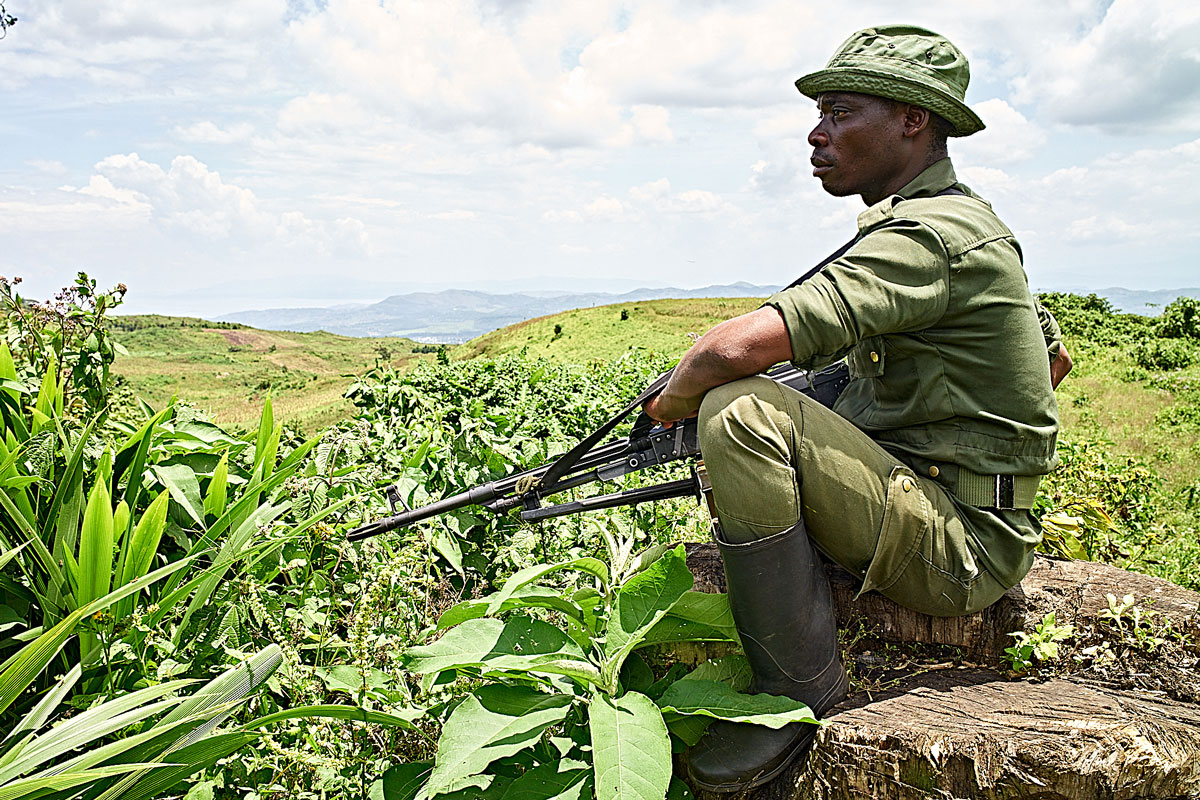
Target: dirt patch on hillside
249	339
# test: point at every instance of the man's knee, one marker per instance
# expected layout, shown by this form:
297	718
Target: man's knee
735	406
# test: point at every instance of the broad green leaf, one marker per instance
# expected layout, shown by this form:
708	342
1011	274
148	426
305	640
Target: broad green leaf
732	670
687	729
551	782
679	791
647	557
446	544
533	596
636	675
641	602
631	752
592	566
403	781
181	482
520	643
492	722
120	521
673	629
718	700
218	488
347	678
8	369
705	608
44	405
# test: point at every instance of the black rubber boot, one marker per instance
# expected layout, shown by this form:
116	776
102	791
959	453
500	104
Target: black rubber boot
781	603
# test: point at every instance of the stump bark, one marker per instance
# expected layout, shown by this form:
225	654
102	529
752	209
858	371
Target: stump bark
956	726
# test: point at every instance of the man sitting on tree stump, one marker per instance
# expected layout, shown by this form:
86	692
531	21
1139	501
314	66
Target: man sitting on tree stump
921	478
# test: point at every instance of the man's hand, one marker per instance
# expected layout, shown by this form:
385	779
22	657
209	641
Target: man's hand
1060	366
669	409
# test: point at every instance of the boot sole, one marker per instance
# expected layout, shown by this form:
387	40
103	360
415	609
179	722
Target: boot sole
802	743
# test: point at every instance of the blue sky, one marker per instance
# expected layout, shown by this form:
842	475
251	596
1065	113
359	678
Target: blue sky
261	153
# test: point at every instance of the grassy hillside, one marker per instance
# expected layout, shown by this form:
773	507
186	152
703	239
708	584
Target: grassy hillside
227	369
605	332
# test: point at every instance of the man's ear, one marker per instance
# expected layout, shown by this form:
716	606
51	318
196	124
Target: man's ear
916	119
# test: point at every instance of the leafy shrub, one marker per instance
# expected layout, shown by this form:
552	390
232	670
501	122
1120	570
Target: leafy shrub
66	337
1091	321
1097	504
1181	319
1163	354
584	682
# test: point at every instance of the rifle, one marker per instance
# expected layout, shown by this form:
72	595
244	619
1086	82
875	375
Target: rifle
647	445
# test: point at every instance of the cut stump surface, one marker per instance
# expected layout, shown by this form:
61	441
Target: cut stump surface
970	732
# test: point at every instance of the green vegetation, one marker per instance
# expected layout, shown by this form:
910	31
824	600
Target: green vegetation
226	369
607	332
1127	490
180	613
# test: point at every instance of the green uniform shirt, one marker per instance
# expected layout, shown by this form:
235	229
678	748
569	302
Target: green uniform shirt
946	346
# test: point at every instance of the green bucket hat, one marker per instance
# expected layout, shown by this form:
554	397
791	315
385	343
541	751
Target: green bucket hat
905	63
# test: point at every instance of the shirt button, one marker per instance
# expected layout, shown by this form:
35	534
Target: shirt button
874	356
933	472
907	484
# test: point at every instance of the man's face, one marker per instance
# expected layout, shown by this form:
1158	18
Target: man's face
856	144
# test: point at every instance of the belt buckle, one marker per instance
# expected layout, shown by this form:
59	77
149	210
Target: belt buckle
1005	493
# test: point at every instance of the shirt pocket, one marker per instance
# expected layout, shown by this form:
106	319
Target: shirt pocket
867	359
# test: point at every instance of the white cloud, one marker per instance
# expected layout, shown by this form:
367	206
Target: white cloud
189	197
1008	138
208	132
652	123
48	166
1137	69
605	207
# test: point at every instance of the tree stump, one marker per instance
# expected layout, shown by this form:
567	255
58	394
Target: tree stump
1120	725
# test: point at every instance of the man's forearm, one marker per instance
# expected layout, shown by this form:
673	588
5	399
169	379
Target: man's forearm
742	346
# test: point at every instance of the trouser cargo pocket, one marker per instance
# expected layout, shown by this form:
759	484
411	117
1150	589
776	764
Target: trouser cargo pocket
922	560
905	523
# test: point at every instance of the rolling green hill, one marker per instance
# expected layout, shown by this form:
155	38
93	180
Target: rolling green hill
605	332
227	369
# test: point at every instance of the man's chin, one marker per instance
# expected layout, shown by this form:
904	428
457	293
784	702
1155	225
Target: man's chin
835	189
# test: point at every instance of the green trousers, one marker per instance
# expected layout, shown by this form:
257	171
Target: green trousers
774	455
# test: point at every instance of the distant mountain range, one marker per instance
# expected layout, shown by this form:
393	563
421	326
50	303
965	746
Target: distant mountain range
456	315
1148	303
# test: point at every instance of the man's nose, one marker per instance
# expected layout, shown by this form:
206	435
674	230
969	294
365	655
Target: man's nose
817	137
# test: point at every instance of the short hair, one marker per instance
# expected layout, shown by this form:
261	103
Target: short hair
941	128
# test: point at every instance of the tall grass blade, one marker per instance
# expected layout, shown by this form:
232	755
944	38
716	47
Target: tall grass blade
95	553
26	664
266	424
140	549
218	488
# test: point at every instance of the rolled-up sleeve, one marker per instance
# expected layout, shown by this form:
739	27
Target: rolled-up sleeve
1050	330
894	279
